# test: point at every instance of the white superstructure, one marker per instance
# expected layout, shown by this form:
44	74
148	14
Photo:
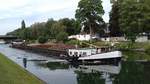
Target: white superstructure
83	52
108	55
93	54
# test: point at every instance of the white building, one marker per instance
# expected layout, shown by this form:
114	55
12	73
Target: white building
119	39
87	37
142	39
84	37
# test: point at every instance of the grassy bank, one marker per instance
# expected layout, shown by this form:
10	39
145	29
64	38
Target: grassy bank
12	73
135	51
134	55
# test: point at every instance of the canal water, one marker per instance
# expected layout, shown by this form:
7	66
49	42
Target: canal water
55	71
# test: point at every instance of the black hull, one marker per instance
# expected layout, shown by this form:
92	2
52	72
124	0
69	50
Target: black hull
75	60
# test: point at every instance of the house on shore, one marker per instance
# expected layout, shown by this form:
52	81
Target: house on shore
84	37
87	37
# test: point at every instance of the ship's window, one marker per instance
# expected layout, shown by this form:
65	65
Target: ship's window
75	53
70	53
80	53
84	53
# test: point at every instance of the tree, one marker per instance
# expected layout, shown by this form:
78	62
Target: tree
62	36
48	26
72	26
114	20
146	21
38	29
24	32
89	13
133	17
42	39
23	25
56	29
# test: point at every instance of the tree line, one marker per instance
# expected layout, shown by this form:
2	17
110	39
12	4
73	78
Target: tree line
128	18
50	29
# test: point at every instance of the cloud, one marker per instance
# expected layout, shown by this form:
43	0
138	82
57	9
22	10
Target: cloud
11	4
21	8
13	11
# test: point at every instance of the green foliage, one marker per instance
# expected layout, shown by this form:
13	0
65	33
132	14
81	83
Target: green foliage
51	29
125	45
131	73
57	65
135	55
89	13
73	42
56	29
62	36
42	39
101	43
133	17
38	29
94	77
147	50
48	27
130	45
23	25
72	26
114	20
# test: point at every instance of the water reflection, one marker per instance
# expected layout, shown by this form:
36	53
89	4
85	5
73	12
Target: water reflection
54	65
124	73
133	73
94	77
87	74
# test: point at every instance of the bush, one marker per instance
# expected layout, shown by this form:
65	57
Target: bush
42	39
147	50
62	36
72	42
125	45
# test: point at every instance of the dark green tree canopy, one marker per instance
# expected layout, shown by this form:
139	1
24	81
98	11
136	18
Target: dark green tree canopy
23	25
89	13
134	17
114	20
49	29
72	26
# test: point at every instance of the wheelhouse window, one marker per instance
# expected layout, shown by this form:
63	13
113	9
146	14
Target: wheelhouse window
70	53
84	53
80	53
75	53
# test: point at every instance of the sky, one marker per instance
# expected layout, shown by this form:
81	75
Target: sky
12	12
